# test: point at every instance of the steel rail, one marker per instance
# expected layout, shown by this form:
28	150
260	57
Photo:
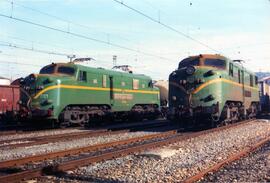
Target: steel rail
17	130
28	174
55	138
9	132
229	160
49	139
123	152
113	127
47	136
74	151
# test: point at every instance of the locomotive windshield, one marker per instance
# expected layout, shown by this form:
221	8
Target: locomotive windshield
65	70
57	69
47	69
215	63
189	61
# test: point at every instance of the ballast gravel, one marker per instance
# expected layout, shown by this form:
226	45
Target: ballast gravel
253	168
191	156
8	154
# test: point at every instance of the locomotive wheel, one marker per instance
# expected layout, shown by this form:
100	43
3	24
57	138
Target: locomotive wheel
225	117
215	119
78	119
253	111
135	117
152	117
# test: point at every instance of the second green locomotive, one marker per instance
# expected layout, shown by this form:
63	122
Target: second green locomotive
214	88
68	93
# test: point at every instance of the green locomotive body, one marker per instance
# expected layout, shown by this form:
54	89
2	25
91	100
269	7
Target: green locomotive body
212	87
71	93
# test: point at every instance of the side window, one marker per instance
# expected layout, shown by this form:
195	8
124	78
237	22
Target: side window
82	76
231	69
239	76
251	80
104	81
135	84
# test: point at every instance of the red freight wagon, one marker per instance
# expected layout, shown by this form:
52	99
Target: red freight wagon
9	98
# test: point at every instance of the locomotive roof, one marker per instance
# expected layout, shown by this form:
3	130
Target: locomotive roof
217	56
104	71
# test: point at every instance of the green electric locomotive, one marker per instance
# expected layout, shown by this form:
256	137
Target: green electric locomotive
212	89
68	93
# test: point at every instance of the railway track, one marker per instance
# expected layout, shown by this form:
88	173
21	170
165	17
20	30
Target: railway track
229	160
99	153
71	152
30	141
4	132
13	129
55	138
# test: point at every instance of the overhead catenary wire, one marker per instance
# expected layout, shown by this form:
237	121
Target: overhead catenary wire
166	26
36	50
69	22
6	44
84	37
33	42
33	48
19	63
14	46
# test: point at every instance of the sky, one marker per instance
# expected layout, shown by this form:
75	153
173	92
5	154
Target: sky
34	33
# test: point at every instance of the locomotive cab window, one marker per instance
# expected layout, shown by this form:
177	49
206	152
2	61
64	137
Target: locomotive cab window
221	64
47	69
66	70
189	62
82	76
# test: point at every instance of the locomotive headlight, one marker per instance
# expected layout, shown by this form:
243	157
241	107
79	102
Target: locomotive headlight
27	88
184	82
49	80
190	70
40	87
32	77
174	98
174	73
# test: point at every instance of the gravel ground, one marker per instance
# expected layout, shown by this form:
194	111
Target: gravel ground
253	168
39	133
191	156
7	154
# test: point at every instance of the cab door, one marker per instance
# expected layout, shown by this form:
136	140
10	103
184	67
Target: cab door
111	91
